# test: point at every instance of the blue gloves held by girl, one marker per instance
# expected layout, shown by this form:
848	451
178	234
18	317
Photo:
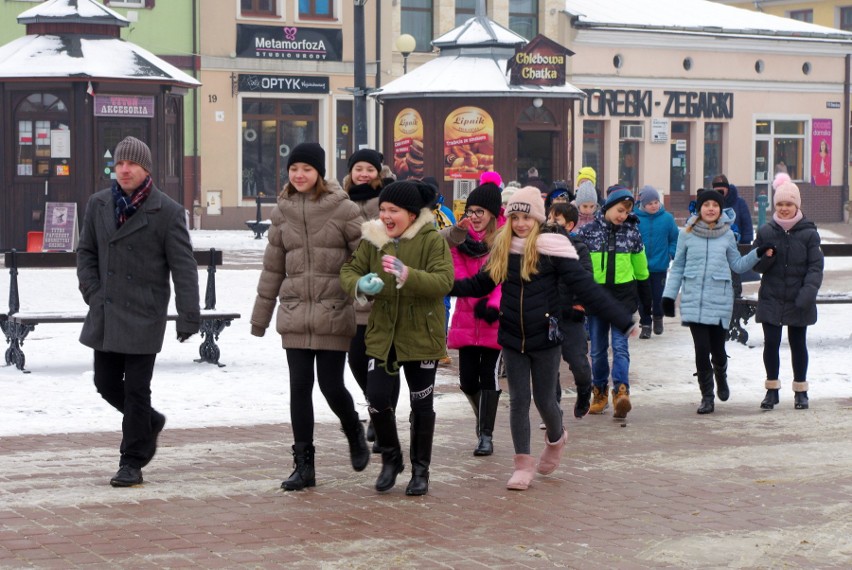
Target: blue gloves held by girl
370	284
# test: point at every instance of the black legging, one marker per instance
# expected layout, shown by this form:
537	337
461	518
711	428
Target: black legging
329	365
478	369
798	339
709	341
383	387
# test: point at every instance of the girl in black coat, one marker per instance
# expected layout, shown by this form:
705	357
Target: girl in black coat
531	262
788	289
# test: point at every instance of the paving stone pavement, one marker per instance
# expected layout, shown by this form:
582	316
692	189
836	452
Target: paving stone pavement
737	489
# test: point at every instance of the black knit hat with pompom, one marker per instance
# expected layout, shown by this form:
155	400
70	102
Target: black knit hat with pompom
411	195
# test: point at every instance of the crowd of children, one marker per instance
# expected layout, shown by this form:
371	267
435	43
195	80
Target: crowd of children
537	275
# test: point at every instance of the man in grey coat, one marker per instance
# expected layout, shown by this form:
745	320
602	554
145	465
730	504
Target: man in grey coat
133	238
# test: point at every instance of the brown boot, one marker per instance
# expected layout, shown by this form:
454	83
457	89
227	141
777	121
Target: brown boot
524	473
620	402
600	401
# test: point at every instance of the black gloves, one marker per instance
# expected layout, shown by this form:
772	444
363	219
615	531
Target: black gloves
482	311
182	336
764	248
668	306
578	314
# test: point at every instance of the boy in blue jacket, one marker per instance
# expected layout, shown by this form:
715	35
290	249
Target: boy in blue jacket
659	234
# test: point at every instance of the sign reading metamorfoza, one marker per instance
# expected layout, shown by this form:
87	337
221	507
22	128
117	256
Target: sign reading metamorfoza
289	42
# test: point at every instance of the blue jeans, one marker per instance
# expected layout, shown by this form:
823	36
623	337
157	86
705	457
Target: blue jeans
599	330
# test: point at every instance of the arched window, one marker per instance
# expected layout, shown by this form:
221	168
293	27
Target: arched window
537	115
43	143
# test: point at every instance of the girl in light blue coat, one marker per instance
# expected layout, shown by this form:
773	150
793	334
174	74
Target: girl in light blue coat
706	254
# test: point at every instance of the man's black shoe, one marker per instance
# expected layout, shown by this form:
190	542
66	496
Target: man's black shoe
158	422
127	476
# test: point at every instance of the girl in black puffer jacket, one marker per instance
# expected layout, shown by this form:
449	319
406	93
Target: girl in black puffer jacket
530	261
788	289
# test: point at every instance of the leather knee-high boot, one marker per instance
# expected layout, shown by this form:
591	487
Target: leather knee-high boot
488	400
388	439
705	382
474	404
722	389
422	432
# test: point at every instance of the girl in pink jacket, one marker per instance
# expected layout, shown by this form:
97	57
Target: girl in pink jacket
473	330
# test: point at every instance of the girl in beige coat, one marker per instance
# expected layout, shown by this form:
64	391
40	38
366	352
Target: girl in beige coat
315	228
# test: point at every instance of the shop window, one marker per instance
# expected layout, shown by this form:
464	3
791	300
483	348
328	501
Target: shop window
466	9
523	17
316	9
43	136
172	142
270	128
593	148
802	15
679	167
779	147
845	18
416	19
712	152
262	8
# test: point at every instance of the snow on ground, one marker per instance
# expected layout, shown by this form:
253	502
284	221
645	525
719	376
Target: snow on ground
59	396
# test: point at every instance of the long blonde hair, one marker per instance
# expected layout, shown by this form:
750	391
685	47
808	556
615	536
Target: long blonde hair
498	261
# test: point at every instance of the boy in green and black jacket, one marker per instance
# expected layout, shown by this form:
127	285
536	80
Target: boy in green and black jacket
620	265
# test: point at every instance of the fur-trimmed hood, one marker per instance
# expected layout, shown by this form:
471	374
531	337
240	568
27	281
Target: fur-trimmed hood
374	230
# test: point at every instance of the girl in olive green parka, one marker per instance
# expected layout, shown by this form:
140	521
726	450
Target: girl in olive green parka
406	267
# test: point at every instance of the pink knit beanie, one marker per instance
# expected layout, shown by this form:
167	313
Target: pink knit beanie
786	190
526	200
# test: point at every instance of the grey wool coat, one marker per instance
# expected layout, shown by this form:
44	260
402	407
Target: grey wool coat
309	241
123	274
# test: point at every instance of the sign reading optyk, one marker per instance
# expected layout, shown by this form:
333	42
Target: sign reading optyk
283	84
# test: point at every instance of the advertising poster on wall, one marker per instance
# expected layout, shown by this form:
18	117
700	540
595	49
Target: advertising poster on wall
468	143
821	152
408	144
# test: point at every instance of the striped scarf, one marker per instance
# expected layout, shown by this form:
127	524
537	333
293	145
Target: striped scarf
126	206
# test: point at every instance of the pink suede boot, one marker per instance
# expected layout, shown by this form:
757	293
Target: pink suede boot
549	460
524	473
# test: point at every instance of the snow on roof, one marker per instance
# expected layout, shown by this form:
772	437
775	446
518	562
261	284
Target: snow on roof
479	31
696	16
87	11
480	76
89	57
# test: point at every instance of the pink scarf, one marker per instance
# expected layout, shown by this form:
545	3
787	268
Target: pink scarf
556	245
787	225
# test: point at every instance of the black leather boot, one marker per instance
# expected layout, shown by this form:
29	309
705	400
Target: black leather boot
584	399
388	440
705	382
772	387
359	454
474	402
800	391
303	475
721	374
422	432
488	401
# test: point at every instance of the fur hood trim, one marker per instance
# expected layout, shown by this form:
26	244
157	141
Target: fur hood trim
374	230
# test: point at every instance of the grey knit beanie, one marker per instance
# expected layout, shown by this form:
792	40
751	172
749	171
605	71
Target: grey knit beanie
586	193
134	150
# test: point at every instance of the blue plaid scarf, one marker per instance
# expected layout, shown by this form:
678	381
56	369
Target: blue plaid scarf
126	206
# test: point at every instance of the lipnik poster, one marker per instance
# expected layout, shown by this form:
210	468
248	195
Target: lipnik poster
468	143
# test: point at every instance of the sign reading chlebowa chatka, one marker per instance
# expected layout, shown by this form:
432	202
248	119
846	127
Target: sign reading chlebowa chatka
60	226
289	42
541	62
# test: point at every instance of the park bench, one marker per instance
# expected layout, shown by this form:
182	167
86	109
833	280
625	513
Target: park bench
746	307
17	325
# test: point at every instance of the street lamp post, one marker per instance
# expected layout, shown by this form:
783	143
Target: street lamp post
360	77
406	43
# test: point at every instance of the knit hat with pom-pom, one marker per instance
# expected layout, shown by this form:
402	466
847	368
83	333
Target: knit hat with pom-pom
786	190
492	177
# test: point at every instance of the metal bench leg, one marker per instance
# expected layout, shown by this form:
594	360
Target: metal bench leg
15	335
210	330
742	313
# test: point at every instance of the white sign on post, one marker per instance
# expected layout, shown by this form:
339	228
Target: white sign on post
659	130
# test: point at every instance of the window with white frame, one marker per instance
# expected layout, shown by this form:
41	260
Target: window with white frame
779	147
316	9
845	18
129	3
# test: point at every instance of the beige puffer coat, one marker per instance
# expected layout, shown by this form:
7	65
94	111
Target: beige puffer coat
370	211
309	241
